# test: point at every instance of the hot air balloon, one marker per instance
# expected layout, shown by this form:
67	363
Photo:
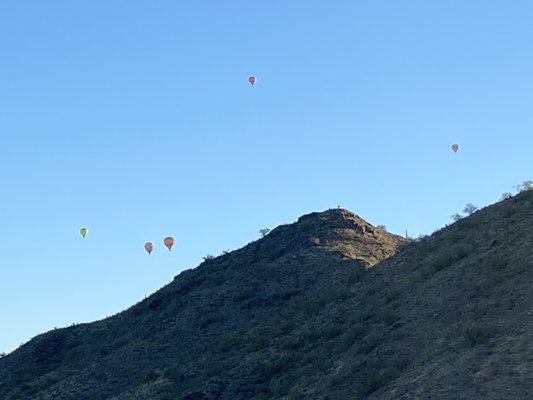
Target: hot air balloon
251	79
149	247
169	242
84	232
455	147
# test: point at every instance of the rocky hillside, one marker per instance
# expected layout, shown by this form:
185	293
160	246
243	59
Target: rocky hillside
329	307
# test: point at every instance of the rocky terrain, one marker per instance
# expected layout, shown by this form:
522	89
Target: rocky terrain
329	307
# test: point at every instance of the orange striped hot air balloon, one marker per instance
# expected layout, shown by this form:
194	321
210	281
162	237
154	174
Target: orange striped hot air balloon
149	247
252	80
169	242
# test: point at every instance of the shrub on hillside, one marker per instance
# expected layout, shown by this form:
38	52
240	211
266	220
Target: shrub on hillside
456	217
244	294
386	315
353	275
337	294
524	186
256	341
470	209
228	340
505	196
384	375
449	255
475	335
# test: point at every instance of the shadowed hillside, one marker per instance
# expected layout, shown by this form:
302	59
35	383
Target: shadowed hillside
329	307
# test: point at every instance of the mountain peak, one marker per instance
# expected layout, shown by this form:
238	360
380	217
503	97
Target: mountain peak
338	230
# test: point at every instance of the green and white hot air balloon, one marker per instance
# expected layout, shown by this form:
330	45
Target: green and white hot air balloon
84	232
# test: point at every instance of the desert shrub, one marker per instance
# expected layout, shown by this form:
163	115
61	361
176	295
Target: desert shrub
281	386
149	376
442	260
333	331
293	395
449	255
375	382
311	337
28	389
456	217
370	342
505	196
400	364
287	313
364	317
292	344
155	303
264	232
508	211
244	294
267	370
259	396
386	315
393	296
282	323
353	275
352	334
137	310
209	318
188	284
427	245
399	335
470	209
383	376
349	340
289	294
496	262
359	367
311	307
174	374
475	335
524	186
228	340
256	341
337	294
215	367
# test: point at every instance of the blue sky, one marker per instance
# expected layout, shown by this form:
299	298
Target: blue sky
136	120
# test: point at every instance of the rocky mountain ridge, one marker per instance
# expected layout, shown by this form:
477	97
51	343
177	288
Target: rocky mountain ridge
329	307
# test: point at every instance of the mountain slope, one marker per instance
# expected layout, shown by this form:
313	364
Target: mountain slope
329	307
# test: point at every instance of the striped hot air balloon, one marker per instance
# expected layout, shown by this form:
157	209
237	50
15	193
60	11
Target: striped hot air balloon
149	247
169	242
252	80
84	232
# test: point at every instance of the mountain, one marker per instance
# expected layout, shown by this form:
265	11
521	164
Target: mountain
329	307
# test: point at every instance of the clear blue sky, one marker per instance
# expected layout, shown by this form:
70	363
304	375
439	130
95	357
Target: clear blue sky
136	120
